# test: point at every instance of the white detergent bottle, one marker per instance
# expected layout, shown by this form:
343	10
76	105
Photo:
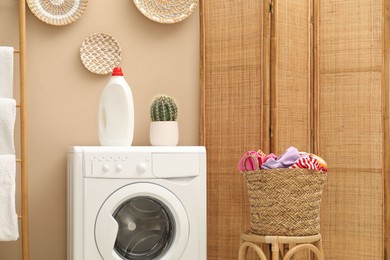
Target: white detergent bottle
116	112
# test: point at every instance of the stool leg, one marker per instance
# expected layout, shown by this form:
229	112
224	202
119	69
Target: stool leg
318	244
310	247
275	250
244	249
242	252
290	245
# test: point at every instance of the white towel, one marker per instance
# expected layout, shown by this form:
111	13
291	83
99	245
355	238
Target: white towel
8	217
7	125
6	72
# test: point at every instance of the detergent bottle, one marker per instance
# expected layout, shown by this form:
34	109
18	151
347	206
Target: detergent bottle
116	112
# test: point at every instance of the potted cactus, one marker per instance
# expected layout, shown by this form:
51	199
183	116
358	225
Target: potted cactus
164	129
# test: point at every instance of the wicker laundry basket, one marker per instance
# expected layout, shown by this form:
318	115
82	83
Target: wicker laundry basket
285	202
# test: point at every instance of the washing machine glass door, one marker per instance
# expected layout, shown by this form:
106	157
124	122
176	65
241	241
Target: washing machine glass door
141	221
146	228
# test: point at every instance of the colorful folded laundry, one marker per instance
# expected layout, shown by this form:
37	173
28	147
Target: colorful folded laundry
306	163
248	163
321	162
261	153
269	156
291	158
288	158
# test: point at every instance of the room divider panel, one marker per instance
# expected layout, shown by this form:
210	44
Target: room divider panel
349	125
313	74
232	113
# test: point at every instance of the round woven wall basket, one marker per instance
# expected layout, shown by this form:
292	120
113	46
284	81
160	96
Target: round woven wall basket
100	53
58	12
166	11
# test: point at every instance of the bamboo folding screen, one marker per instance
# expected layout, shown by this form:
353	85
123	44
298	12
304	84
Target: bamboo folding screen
303	73
290	79
231	72
21	52
349	125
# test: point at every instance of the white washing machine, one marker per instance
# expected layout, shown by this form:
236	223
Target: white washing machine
137	203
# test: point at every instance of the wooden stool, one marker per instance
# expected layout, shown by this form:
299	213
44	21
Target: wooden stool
279	244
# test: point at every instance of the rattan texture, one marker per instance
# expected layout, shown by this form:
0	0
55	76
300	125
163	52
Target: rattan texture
350	70
292	77
285	202
58	12
166	11
232	114
100	53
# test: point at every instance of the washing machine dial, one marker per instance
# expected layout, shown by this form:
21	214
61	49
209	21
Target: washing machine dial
105	167
118	167
141	167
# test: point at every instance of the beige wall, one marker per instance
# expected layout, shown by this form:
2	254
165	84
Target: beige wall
63	98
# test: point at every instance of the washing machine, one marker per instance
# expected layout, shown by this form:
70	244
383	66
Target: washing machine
128	203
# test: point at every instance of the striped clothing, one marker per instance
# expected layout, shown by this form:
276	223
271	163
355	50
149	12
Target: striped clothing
309	163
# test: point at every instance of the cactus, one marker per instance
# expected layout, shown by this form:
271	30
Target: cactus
163	108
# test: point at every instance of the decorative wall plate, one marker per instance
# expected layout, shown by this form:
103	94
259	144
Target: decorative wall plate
166	11
100	53
58	12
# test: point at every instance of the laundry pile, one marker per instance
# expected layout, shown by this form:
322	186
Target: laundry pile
291	158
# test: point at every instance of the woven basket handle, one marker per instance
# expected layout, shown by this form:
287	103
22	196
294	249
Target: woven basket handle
254	159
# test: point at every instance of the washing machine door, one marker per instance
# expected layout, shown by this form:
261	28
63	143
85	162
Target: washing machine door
141	221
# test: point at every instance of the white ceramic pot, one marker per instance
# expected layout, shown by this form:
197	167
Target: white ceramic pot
164	133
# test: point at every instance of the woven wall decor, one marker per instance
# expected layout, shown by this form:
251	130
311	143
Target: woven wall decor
58	12
166	11
100	53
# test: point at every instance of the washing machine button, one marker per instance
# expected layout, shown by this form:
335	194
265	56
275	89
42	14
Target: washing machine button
141	167
106	168
118	167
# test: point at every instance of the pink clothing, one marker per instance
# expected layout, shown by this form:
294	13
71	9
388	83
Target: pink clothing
249	159
270	156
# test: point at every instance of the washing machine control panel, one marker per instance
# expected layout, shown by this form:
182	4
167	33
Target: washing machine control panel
113	165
